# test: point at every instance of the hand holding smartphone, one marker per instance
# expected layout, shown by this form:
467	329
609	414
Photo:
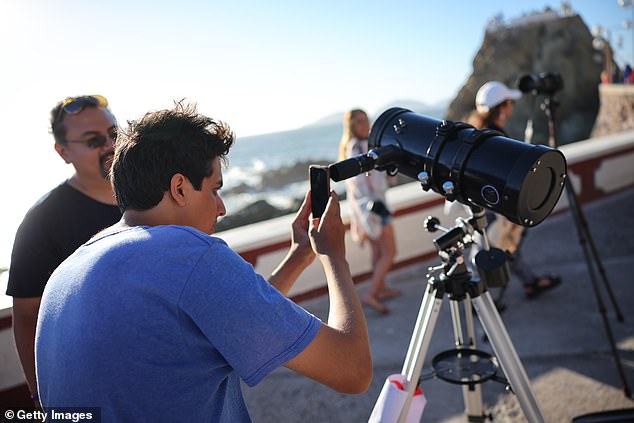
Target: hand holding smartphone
319	188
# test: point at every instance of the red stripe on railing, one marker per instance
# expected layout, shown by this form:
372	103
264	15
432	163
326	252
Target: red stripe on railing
586	170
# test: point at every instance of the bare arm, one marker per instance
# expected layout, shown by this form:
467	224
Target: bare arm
25	312
299	256
339	356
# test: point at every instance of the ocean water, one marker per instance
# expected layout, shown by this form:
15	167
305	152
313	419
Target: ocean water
285	148
274	167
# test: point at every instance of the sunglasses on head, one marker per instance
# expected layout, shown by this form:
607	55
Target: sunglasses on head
74	105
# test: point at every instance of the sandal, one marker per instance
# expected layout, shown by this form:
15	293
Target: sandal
538	287
376	305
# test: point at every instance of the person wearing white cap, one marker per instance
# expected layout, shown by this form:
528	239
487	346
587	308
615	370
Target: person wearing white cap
494	106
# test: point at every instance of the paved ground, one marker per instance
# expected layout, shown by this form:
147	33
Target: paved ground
560	337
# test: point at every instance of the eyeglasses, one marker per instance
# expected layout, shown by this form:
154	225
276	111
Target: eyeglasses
98	140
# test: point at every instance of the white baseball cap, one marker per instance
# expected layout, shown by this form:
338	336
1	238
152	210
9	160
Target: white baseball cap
493	93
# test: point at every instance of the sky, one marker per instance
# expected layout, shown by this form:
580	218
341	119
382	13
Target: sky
260	66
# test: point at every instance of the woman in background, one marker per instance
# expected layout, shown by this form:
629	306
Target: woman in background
370	219
494	106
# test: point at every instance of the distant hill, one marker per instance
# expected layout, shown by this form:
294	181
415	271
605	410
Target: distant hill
331	119
436	111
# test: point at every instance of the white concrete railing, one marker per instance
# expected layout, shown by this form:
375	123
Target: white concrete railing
597	167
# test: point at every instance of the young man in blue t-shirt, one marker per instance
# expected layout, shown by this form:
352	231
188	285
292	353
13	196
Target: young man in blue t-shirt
156	320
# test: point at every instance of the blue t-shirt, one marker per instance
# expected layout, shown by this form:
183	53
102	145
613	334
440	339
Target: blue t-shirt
160	324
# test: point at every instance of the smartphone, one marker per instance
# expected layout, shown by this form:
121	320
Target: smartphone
319	188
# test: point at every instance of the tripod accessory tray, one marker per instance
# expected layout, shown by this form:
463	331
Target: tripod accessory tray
465	366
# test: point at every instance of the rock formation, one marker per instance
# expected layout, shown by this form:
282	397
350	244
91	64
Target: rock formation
563	45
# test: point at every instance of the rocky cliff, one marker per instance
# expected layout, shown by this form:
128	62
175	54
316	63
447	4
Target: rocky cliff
563	45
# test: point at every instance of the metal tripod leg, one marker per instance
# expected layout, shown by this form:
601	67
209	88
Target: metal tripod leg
419	344
472	394
587	247
507	356
586	242
585	237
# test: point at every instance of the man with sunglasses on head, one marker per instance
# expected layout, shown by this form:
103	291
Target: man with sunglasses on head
84	130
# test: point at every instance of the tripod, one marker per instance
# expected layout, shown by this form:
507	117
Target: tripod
466	366
588	247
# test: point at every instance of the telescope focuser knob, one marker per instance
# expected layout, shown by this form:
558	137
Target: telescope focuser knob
448	187
431	224
423	178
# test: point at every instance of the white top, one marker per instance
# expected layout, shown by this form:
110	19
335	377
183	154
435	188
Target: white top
362	190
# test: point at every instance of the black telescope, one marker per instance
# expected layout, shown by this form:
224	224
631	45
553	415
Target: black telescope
475	167
545	83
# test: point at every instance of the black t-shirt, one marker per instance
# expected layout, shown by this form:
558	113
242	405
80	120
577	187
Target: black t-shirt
51	231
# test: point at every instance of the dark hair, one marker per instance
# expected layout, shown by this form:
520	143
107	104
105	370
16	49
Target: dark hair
485	120
160	145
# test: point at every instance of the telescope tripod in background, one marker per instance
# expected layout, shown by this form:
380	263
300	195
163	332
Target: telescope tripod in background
466	365
593	261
